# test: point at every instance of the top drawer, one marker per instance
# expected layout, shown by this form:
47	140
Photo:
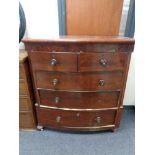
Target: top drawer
102	61
52	61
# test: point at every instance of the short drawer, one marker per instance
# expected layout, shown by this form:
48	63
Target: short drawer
22	87
60	118
77	81
51	61
24	104
102	61
79	100
26	120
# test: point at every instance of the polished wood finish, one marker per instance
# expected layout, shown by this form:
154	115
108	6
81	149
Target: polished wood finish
77	44
27	118
102	61
66	118
79	81
80	39
93	17
79	100
52	61
83	90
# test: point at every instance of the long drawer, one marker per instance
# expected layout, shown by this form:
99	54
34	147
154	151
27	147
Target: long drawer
56	118
52	61
77	81
102	61
79	100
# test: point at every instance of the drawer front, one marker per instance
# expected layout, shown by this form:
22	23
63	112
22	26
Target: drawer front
22	87
77	100
26	120
102	61
60	118
76	81
54	61
24	104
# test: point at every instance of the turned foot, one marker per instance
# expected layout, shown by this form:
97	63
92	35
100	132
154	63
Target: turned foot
40	128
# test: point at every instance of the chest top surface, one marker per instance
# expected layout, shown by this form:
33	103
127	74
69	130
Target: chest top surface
82	39
81	43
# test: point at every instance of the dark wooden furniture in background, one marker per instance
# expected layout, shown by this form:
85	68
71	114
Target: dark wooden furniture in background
93	17
26	98
79	81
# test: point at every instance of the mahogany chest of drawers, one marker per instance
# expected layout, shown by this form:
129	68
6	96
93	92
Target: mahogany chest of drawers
79	81
26	98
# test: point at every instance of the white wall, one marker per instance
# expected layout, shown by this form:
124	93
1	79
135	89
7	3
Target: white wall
41	18
42	22
129	98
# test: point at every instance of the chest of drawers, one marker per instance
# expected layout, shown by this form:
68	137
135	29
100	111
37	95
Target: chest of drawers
79	81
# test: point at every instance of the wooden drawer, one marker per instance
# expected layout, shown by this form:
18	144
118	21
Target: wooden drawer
60	118
51	61
102	61
79	100
24	104
22	87
26	120
77	81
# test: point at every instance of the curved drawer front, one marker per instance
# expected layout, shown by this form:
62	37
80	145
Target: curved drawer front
51	61
60	118
75	81
103	61
79	100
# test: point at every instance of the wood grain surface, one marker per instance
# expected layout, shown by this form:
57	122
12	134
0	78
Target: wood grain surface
93	17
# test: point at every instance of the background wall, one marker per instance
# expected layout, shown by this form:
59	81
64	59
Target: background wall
42	22
129	98
41	18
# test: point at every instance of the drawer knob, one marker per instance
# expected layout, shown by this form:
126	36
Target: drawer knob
101	82
58	118
57	99
103	62
53	62
55	82
98	119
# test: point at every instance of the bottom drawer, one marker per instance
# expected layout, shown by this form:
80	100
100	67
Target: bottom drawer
67	118
26	120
